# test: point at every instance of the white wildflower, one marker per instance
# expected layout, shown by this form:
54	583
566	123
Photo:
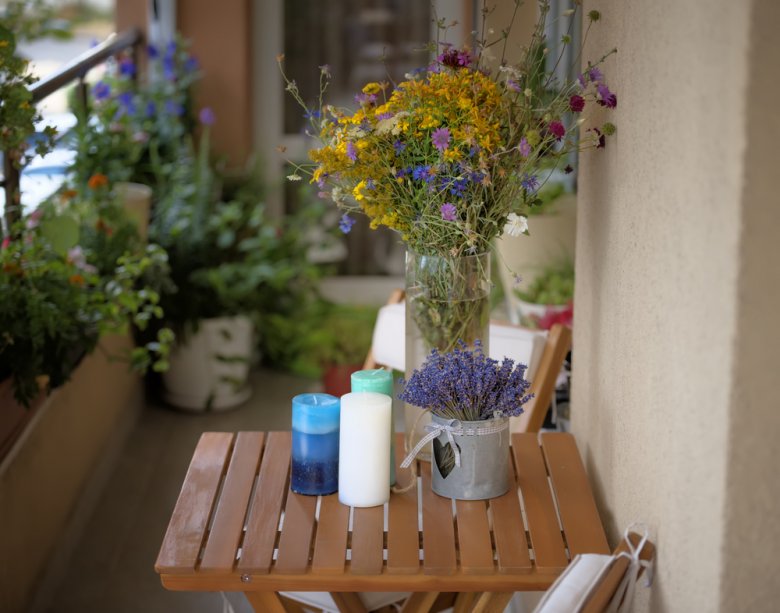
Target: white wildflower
516	224
295	177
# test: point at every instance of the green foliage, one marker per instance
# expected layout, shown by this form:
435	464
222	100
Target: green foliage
57	304
227	256
554	286
319	334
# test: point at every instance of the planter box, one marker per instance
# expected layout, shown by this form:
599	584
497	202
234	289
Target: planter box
61	459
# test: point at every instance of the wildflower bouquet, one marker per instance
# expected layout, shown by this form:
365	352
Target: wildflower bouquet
468	386
449	158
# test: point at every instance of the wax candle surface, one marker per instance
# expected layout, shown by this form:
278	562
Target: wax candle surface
364	449
315	444
380	381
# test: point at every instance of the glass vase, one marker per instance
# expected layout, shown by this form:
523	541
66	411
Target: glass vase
447	302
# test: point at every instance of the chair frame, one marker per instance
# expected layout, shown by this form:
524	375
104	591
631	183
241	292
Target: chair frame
543	385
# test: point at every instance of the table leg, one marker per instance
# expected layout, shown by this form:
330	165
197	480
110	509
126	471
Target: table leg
419	602
265	602
348	602
464	600
492	602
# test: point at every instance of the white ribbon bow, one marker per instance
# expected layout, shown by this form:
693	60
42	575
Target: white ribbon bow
452	427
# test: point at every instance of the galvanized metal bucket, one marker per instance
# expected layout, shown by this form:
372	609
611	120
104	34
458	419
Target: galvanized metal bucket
477	467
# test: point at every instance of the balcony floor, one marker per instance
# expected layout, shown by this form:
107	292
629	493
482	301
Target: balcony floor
112	567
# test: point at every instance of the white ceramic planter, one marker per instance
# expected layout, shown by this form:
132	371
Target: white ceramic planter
209	371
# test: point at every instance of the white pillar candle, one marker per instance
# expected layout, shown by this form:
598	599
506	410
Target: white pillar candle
364	449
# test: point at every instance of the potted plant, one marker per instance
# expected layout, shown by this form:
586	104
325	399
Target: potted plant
548	299
471	398
230	263
338	342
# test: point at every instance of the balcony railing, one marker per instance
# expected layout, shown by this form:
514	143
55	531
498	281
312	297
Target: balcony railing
75	70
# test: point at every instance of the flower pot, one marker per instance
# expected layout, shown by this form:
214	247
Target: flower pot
210	368
137	201
336	379
484	452
447	301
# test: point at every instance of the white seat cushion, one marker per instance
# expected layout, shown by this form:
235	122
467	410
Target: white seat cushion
571	590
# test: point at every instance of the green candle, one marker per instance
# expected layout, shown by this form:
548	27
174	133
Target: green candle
380	381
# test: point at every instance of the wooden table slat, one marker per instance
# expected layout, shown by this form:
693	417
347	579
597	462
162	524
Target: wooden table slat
367	540
438	529
220	552
476	549
577	508
546	540
330	544
258	548
509	531
186	530
403	537
295	541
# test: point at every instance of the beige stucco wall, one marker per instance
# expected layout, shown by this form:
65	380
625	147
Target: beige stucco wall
677	297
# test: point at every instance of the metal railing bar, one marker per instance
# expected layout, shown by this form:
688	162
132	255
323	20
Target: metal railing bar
81	64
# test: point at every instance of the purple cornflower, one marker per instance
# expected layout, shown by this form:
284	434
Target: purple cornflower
370	184
595	74
346	223
448	212
151	109
174	108
382	116
192	64
206	116
365	99
352	151
101	91
126	104
421	173
513	85
169	68
467	385
455	58
606	97
576	103
126	67
399	147
557	129
524	148
441	138
530	183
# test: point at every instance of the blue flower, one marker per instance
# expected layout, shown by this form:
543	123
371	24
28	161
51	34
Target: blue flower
192	64
151	109
421	173
346	223
169	68
126	67
530	183
101	91
399	147
174	108
152	51
126	104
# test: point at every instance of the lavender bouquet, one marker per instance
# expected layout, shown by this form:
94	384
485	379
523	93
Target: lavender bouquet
467	385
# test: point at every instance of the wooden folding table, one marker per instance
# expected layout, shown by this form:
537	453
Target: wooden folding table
237	527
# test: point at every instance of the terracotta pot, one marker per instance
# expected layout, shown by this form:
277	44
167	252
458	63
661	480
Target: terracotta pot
137	201
336	378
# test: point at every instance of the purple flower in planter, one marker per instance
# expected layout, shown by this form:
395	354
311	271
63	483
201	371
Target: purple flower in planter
206	116
101	91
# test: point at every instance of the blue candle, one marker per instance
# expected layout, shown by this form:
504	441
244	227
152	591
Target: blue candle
315	444
380	381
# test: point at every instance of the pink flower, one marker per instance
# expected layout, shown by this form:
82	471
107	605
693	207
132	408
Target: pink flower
554	316
557	129
441	138
448	212
576	103
524	148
